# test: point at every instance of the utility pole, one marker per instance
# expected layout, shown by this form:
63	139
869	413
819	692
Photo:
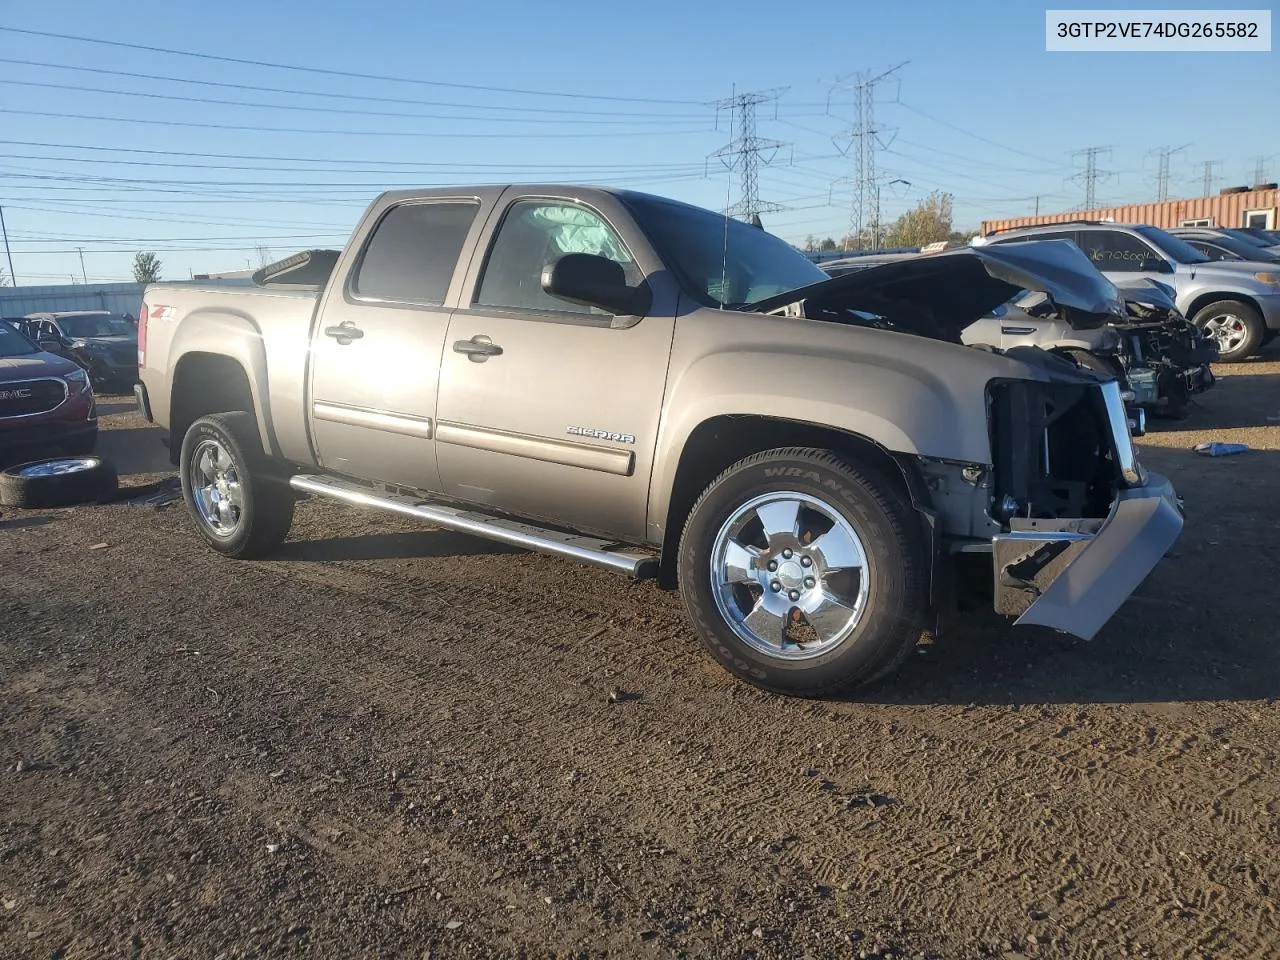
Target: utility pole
5	230
1209	178
1162	176
864	137
84	276
1090	175
746	152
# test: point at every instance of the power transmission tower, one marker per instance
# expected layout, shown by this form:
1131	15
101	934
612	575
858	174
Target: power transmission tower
264	255
1090	175
864	138
1209	178
1162	176
745	153
1260	170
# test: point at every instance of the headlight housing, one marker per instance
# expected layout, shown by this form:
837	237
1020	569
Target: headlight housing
1268	278
77	381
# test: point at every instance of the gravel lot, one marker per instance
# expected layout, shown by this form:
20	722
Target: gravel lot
395	742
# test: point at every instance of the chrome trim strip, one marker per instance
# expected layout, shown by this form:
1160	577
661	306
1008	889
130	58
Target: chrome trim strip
584	455
634	563
1126	456
405	424
66	395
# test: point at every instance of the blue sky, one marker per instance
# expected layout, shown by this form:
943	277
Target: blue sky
981	111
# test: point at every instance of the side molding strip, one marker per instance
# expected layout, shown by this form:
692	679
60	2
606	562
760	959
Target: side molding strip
409	426
587	456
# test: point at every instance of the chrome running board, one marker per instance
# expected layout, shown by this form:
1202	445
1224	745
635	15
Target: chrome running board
603	553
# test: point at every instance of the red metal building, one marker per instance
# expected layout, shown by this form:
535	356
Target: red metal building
1258	207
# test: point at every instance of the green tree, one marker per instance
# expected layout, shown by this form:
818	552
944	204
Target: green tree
929	222
828	245
146	267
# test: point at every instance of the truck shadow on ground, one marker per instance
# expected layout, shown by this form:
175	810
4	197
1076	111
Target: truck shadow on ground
1201	627
407	545
1238	400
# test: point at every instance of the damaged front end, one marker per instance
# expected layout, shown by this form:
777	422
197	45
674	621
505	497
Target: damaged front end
1082	523
1166	356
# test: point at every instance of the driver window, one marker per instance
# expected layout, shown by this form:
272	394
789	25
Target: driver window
535	233
1114	251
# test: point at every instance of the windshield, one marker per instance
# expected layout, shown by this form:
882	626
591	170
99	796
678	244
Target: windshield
722	262
93	325
1168	244
14	344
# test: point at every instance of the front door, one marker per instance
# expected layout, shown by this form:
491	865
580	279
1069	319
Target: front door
548	409
376	352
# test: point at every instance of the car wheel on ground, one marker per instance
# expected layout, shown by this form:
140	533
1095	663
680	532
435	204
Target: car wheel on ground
240	502
804	573
58	482
1237	327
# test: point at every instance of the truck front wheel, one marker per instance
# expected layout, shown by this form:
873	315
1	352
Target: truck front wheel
240	505
803	573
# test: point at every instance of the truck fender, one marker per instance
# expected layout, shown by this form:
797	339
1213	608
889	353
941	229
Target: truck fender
903	407
236	336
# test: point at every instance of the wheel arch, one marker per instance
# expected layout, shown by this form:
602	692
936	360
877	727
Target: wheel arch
1204	299
720	441
204	383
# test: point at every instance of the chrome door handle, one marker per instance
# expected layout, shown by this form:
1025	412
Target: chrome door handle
344	332
478	349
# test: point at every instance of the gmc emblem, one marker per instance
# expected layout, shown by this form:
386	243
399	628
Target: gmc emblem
22	393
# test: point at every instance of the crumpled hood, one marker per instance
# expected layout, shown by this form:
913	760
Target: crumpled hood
1149	292
940	294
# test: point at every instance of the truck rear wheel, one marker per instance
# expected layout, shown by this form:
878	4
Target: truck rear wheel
803	573
240	504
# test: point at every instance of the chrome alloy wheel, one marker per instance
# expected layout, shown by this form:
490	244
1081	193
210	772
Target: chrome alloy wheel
215	488
54	468
789	575
1228	330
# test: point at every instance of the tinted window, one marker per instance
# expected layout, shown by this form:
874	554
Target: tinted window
413	251
1114	251
1175	247
93	325
721	261
535	233
12	343
1210	251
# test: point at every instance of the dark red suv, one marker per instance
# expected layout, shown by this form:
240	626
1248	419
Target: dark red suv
46	402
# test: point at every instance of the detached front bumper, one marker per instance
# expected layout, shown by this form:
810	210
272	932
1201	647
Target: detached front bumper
1072	575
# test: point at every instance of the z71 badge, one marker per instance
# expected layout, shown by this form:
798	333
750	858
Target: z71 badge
601	434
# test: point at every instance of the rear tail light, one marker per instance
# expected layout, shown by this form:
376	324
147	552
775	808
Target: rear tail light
143	313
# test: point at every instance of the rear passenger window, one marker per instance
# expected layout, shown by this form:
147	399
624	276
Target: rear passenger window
1114	251
413	252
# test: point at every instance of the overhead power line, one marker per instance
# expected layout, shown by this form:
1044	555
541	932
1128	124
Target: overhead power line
346	74
358	97
865	139
350	111
452	134
1090	175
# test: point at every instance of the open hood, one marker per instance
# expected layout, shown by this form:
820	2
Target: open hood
939	294
1148	293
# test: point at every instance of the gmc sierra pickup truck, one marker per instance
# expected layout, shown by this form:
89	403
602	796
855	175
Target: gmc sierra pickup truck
819	464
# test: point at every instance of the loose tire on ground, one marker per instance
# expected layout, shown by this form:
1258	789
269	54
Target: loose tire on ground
866	510
57	482
239	500
1237	327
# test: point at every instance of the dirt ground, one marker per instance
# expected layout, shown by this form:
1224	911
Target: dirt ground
394	742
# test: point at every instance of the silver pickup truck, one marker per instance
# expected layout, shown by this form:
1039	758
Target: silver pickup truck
819	464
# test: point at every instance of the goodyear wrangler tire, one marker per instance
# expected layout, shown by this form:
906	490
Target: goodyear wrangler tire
241	504
803	573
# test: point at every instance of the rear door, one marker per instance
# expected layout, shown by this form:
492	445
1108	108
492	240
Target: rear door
1120	255
559	418
381	330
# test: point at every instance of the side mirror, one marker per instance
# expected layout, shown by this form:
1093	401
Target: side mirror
594	281
1160	265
